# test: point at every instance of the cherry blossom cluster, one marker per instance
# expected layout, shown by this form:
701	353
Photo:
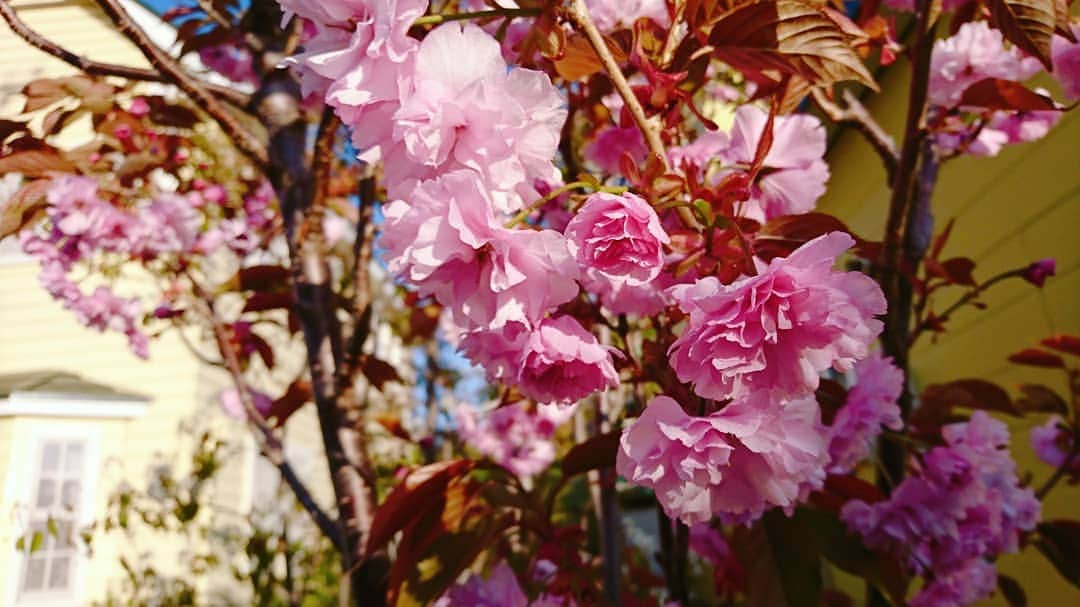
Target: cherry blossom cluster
500	589
962	506
516	437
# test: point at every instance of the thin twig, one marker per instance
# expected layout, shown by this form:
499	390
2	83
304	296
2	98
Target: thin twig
1060	472
246	142
271	443
858	116
967	298
488	14
100	68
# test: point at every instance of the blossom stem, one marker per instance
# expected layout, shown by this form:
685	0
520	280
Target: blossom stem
498	12
1074	452
579	14
967	298
574	185
858	116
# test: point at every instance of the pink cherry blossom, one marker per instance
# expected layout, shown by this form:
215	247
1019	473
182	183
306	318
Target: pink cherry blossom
607	148
563	363
751	456
1066	59
974	53
778	330
962	504
870	404
611	14
500	589
446	241
795	171
617	239
1053	444
233	406
232	60
515	436
359	58
467	110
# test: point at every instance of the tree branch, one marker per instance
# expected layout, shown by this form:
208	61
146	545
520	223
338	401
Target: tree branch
858	116
245	141
271	444
99	68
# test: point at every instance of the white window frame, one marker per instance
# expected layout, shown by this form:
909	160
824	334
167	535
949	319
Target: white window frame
21	489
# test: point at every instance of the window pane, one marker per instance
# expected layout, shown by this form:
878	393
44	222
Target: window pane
58	573
73	459
35	574
46	493
69	495
65	534
50	457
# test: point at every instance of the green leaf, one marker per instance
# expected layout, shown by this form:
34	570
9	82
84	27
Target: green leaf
36	541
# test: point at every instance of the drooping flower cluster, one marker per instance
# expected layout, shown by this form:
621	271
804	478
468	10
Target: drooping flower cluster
962	506
870	405
794	171
775	332
737	463
518	438
974	53
465	142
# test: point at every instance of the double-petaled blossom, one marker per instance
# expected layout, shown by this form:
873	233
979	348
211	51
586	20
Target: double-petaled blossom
468	110
1066	58
447	241
737	463
557	361
975	52
794	171
870	405
963	504
606	150
611	14
776	331
1053	444
359	58
516	437
793	174
500	589
618	242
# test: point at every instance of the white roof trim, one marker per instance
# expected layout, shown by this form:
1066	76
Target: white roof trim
29	404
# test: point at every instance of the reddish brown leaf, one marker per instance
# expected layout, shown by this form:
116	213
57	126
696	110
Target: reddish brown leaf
790	36
1034	357
1069	344
1029	24
1059	541
258	278
1062	20
938	399
579	60
378	371
782	235
297	395
261	301
1040	399
392	424
414	496
10	127
36	162
24	208
831	396
593	454
998	94
958	271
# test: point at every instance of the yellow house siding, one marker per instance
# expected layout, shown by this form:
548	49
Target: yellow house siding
1018	207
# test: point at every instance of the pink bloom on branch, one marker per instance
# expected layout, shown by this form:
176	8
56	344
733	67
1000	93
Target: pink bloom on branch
500	589
976	52
751	456
563	363
1053	444
870	404
446	240
617	239
611	14
607	148
1039	271
1066	59
514	436
794	172
778	330
963	503
976	579
233	405
467	110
